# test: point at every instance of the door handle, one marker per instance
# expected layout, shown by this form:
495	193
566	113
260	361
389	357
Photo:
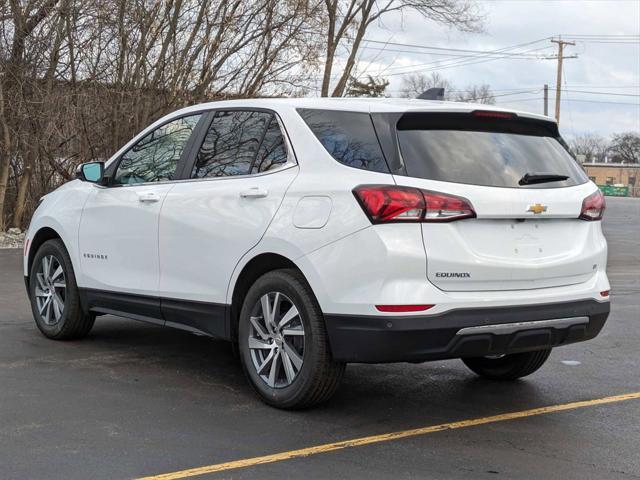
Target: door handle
148	197
254	192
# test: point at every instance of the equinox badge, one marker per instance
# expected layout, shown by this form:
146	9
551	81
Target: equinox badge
537	208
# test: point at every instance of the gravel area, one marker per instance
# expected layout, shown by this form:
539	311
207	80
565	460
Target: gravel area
12	238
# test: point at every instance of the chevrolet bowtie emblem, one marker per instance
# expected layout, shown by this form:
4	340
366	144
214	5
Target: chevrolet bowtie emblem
537	208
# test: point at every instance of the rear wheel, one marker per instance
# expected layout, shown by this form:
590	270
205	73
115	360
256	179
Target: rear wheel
508	367
283	343
55	301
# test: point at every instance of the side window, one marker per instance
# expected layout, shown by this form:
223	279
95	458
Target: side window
348	136
272	152
231	144
155	157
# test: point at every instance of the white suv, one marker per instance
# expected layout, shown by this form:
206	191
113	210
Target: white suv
316	232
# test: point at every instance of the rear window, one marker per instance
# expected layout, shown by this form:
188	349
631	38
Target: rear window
348	136
461	148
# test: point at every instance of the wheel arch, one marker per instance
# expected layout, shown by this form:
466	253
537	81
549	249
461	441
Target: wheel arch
41	236
256	267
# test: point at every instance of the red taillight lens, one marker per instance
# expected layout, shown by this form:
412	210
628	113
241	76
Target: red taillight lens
390	203
444	208
593	207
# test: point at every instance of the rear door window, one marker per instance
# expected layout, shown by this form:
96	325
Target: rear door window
231	144
349	137
461	148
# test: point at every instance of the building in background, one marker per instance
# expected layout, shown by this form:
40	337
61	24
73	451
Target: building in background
615	178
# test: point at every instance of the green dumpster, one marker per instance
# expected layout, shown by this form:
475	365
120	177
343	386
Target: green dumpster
614	190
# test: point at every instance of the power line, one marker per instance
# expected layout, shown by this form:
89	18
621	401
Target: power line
599	93
460	50
453	64
601	101
417	52
505	51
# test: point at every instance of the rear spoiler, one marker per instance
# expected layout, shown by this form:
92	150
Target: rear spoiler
478	121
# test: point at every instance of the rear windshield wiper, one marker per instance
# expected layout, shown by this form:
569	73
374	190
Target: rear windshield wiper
531	178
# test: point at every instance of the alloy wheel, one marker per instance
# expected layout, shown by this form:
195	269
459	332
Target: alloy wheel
276	339
50	290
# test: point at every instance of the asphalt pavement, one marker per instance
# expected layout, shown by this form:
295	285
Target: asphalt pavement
133	400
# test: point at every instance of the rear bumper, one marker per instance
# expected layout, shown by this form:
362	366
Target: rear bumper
381	339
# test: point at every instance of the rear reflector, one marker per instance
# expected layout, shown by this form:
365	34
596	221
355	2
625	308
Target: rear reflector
391	203
604	293
403	308
593	207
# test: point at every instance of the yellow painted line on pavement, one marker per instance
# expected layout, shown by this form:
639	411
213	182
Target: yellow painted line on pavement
387	437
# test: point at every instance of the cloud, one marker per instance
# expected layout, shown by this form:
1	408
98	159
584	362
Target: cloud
600	67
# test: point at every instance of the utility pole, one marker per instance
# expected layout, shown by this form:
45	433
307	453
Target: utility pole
546	100
561	43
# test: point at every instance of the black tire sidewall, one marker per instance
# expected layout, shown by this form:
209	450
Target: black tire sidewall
71	304
510	367
280	281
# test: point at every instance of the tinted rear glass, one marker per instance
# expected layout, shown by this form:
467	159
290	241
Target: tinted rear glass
348	136
480	151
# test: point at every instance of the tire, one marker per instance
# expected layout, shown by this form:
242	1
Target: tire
63	318
508	367
305	372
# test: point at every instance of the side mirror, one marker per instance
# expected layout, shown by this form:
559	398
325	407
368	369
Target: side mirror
91	172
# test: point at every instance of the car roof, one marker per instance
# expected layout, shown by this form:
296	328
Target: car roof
368	105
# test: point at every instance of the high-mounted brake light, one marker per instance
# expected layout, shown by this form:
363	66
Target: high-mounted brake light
593	207
491	114
391	203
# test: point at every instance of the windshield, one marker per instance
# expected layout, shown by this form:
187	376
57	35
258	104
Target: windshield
491	153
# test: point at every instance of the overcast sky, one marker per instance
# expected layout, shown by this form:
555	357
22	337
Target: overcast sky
601	67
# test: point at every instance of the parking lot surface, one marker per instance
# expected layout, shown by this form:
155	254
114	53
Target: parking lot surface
137	400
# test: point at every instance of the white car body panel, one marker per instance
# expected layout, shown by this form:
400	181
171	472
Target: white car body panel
211	216
122	225
195	240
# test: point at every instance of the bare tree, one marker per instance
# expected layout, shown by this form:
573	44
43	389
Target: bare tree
625	147
345	23
476	94
416	83
592	146
79	77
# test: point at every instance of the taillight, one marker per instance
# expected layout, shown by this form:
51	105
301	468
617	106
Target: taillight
390	203
593	207
442	207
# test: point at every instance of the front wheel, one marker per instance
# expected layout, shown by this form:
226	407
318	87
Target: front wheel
53	291
508	367
283	343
